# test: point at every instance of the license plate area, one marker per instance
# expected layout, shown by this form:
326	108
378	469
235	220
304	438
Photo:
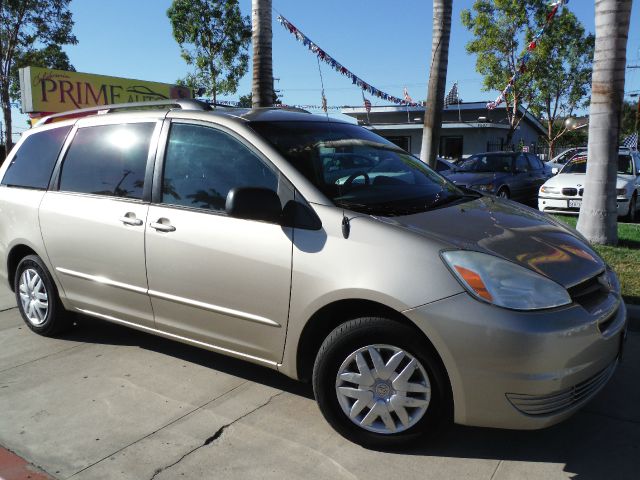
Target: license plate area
575	203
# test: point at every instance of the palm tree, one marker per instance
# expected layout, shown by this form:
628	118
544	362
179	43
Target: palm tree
598	214
262	87
437	80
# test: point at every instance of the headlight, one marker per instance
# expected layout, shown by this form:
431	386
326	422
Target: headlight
504	283
544	189
621	192
485	187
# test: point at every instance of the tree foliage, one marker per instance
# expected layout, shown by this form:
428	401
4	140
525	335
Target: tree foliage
30	31
213	36
629	119
556	80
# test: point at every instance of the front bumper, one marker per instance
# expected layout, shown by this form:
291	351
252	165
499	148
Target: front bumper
561	204
522	370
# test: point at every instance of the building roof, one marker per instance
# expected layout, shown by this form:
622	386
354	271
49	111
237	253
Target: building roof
462	106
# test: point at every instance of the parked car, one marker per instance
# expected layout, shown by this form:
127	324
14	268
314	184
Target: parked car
563	193
405	300
516	175
560	160
443	166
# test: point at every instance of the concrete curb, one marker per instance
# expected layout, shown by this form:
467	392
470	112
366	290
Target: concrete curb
633	314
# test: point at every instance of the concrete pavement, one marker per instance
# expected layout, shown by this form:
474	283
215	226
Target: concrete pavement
106	402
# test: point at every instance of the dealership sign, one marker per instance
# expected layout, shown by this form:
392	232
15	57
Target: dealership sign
52	91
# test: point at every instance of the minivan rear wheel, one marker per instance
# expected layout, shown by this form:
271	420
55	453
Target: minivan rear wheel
38	299
379	384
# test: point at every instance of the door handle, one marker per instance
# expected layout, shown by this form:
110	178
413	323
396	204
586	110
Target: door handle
130	219
162	225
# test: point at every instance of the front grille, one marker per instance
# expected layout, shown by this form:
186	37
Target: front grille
581	191
569	192
556	402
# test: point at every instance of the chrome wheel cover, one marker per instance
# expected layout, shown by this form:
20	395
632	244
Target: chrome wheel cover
503	194
33	297
383	389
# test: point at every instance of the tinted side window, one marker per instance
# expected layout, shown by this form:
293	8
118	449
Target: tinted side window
521	164
108	160
202	164
534	162
33	163
442	167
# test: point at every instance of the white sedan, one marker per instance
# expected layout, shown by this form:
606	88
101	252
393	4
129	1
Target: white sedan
563	193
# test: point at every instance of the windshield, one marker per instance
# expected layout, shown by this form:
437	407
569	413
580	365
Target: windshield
487	163
358	169
579	165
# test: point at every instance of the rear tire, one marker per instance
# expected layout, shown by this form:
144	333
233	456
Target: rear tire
380	385
38	299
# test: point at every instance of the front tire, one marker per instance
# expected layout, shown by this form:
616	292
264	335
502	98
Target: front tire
37	298
381	385
503	193
631	216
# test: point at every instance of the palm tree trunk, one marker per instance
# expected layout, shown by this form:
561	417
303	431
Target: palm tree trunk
598	215
262	87
437	81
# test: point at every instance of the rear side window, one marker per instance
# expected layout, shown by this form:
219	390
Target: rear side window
534	161
108	160
33	163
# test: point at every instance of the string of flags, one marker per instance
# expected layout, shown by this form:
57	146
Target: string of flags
338	67
524	58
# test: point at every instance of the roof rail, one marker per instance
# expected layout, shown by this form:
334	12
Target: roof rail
183	103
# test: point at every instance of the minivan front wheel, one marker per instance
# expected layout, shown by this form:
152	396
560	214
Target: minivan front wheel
379	385
37	298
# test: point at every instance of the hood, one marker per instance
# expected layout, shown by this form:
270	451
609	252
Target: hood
578	180
472	178
511	231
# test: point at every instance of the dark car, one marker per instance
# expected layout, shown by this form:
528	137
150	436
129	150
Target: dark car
516	175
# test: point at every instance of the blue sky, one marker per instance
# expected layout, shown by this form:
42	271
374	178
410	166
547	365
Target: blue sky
386	43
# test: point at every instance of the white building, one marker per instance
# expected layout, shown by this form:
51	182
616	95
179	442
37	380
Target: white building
467	128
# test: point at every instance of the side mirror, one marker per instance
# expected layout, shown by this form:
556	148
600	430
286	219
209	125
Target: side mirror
555	170
254	203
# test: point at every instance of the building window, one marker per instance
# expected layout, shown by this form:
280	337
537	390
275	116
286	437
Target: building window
403	142
451	147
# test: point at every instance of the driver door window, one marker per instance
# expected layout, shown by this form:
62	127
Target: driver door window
203	164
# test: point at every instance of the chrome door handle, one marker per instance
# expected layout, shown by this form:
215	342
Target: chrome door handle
131	220
162	227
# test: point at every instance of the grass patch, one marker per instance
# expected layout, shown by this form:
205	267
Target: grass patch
624	258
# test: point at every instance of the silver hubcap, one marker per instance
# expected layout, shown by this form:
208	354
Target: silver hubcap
33	296
502	194
383	389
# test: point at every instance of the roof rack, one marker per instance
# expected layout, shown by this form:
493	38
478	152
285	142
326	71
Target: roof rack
183	103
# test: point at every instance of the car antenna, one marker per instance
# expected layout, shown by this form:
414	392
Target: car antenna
346	226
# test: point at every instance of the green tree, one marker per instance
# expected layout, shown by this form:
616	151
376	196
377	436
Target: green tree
561	67
557	76
30	30
598	220
437	80
213	36
498	28
630	122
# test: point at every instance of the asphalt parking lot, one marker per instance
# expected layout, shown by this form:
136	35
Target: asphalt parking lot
106	402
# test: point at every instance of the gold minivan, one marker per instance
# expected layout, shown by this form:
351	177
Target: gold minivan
315	247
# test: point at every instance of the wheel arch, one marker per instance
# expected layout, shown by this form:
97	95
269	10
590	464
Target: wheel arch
330	316
17	253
